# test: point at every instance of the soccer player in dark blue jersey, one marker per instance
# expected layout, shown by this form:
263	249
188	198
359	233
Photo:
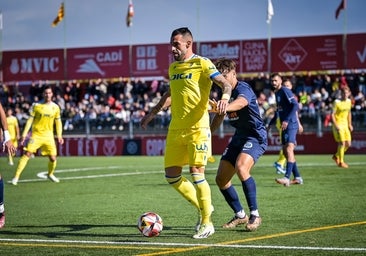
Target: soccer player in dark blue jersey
287	108
247	144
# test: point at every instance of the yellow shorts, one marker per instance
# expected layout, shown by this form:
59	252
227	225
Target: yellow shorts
190	146
343	134
46	144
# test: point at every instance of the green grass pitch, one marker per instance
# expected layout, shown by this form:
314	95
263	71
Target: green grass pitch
94	210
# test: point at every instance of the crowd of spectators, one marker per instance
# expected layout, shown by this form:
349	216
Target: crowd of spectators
316	94
108	105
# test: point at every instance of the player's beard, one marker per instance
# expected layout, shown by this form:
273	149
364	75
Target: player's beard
178	55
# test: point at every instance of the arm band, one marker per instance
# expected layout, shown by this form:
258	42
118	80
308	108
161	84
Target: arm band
6	136
225	96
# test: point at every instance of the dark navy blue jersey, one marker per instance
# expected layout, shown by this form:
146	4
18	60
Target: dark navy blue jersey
287	107
247	121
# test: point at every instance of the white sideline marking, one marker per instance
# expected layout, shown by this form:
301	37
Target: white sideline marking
43	175
309	164
185	244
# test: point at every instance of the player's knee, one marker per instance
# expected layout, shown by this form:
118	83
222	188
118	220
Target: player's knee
173	180
222	182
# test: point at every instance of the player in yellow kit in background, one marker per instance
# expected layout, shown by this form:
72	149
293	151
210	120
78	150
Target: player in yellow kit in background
43	117
13	128
342	126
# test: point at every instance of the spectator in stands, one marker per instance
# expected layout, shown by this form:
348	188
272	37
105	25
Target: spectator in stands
74	92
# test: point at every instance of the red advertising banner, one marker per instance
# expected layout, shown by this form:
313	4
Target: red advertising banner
98	62
216	50
306	144
155	145
33	65
254	56
307	53
151	60
356	51
93	146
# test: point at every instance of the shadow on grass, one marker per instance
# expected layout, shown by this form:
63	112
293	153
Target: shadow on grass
85	231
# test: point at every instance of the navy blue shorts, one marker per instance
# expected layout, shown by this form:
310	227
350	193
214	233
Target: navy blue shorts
248	146
288	136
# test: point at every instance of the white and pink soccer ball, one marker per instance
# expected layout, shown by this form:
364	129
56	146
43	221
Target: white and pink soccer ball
150	224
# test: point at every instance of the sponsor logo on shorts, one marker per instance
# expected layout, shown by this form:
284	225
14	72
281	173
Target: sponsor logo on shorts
248	145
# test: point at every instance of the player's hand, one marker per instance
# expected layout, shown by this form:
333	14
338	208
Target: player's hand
284	125
22	140
222	106
146	119
10	147
212	106
60	141
301	129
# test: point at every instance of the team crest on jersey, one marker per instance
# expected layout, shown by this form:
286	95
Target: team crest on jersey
248	145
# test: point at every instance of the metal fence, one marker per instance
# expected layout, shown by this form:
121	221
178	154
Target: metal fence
318	122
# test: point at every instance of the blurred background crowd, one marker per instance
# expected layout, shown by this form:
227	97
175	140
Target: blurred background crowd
106	106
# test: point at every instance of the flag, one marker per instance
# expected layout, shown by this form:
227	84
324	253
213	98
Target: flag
341	7
1	21
270	11
130	14
60	15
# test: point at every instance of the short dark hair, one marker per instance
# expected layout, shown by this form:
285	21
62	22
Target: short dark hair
276	74
47	86
181	31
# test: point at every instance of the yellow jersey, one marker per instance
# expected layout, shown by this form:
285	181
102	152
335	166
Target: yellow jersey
45	116
341	110
12	126
190	86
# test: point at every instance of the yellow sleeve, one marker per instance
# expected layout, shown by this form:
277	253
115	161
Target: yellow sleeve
27	126
58	127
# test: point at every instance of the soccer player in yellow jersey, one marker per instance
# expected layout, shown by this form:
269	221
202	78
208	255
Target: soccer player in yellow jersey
342	126
11	150
43	117
13	128
188	140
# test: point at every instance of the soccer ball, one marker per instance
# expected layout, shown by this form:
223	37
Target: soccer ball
150	224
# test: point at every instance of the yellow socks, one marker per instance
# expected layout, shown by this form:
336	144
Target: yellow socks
51	167
185	188
340	153
21	165
203	196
